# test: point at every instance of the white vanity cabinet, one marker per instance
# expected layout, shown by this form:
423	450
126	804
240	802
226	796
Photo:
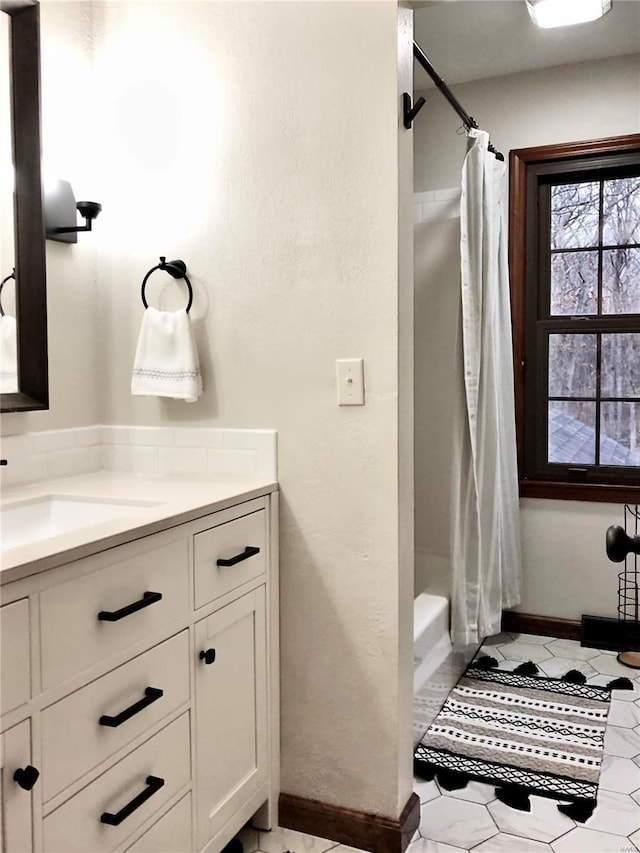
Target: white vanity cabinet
18	780
140	693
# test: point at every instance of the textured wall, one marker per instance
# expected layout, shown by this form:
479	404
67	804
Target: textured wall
566	574
259	142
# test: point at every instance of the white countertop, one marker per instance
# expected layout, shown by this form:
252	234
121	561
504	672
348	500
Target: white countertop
172	500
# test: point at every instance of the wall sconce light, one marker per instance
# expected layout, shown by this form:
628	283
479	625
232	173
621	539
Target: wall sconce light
60	212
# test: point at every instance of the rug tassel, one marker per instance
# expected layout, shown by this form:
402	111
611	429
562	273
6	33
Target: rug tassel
579	812
528	668
514	797
574	676
620	684
423	770
452	780
485	662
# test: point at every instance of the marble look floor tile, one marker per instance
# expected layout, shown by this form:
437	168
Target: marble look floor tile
474	792
525	651
619	774
427	791
618	695
249	838
424	845
635	839
491	651
342	849
622	742
456	822
615	813
608	665
503	843
543	823
279	840
498	639
625	714
571	649
587	841
532	639
557	667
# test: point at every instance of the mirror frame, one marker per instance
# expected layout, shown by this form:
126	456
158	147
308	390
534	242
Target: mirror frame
30	261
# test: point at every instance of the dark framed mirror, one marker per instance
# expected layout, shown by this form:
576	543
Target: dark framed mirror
32	391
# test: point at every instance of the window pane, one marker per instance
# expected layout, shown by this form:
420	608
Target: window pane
574	215
574	283
572	433
621	281
620	372
621	211
620	434
572	365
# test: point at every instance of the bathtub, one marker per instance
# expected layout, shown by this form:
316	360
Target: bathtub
437	666
431	643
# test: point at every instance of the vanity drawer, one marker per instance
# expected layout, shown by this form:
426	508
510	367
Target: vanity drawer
73	738
171	834
76	826
86	620
235	544
15	657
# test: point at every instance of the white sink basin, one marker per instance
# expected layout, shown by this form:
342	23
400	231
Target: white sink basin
30	521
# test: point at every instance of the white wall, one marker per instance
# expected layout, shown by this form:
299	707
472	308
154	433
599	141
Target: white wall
566	570
259	142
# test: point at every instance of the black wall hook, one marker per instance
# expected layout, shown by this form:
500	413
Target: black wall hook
176	269
409	111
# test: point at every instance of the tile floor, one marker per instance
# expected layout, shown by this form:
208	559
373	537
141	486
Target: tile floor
473	819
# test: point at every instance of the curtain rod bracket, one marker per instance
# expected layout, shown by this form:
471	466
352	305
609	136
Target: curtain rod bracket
410	111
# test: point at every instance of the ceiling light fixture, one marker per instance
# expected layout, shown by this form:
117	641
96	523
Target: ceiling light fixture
562	13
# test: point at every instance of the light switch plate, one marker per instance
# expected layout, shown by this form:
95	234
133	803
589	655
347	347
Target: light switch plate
350	376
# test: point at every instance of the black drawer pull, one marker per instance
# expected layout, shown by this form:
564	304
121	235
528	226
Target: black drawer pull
154	783
151	695
249	551
209	656
113	615
26	777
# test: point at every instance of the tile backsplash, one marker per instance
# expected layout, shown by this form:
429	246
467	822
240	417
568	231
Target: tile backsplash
186	451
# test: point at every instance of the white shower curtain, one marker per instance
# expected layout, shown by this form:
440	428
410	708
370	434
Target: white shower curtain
485	523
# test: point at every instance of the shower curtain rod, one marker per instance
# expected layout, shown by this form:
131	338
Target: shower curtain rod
467	120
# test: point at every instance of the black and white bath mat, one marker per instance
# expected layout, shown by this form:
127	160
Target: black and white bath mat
523	733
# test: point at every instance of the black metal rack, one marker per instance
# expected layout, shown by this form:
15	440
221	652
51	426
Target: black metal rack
624	545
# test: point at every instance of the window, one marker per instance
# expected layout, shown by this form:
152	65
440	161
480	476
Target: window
575	288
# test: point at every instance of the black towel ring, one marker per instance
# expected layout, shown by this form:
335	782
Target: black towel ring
177	269
2	283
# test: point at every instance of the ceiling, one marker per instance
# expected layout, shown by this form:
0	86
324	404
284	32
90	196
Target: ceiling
473	39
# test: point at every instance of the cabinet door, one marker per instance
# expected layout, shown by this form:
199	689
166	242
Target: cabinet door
15	666
231	711
16	802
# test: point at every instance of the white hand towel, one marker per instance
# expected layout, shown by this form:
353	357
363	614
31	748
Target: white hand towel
166	361
8	355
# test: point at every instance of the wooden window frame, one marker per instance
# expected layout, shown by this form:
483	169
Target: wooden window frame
525	166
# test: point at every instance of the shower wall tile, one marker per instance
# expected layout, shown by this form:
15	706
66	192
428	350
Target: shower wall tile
436	205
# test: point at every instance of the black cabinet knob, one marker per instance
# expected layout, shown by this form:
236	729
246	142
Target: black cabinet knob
208	656
26	777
